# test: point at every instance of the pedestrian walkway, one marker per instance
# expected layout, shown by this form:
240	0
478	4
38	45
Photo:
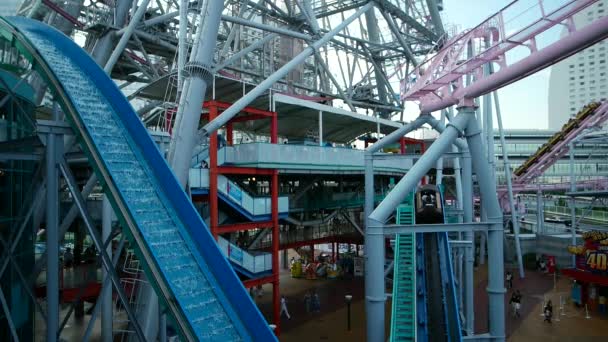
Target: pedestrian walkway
331	323
573	325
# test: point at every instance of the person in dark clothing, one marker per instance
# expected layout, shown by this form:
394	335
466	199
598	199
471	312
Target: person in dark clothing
316	303
308	302
548	310
515	303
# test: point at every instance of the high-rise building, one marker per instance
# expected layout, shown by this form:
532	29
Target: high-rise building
580	78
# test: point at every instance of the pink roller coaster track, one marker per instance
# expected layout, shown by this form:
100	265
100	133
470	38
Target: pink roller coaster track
444	79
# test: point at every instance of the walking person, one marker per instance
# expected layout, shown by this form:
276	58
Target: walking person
308	302
515	303
602	304
68	258
316	304
548	310
509	278
284	308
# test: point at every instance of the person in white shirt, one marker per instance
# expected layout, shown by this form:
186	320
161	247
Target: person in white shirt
509	279
284	307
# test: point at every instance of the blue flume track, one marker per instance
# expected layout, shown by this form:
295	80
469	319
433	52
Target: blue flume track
193	279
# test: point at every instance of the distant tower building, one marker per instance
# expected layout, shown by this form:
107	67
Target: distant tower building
580	78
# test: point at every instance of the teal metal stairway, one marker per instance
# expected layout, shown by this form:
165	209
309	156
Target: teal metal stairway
403	322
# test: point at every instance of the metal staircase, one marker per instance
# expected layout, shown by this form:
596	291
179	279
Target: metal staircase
403	324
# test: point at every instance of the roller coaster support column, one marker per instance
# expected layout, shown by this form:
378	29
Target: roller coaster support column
54	142
374	235
487	188
458	181
191	100
267	83
469	254
508	175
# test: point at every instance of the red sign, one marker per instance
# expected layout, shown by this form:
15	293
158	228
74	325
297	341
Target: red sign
593	255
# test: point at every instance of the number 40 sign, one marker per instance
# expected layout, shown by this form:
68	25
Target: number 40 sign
596	260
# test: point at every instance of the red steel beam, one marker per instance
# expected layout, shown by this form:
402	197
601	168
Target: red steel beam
231	170
248	110
200	198
247	118
258	281
237	227
229	132
274	130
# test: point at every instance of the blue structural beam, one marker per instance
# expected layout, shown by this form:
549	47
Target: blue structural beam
181	259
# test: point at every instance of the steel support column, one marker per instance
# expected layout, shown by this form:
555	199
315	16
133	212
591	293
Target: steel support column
103	47
439	164
508	175
572	199
53	144
539	213
213	173
276	295
124	39
106	294
458	181
105	260
487	188
469	253
191	99
374	37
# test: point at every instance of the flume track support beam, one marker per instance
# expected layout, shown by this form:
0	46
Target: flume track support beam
105	259
374	235
106	293
54	142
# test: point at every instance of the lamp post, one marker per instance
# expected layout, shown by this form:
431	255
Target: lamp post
348	299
